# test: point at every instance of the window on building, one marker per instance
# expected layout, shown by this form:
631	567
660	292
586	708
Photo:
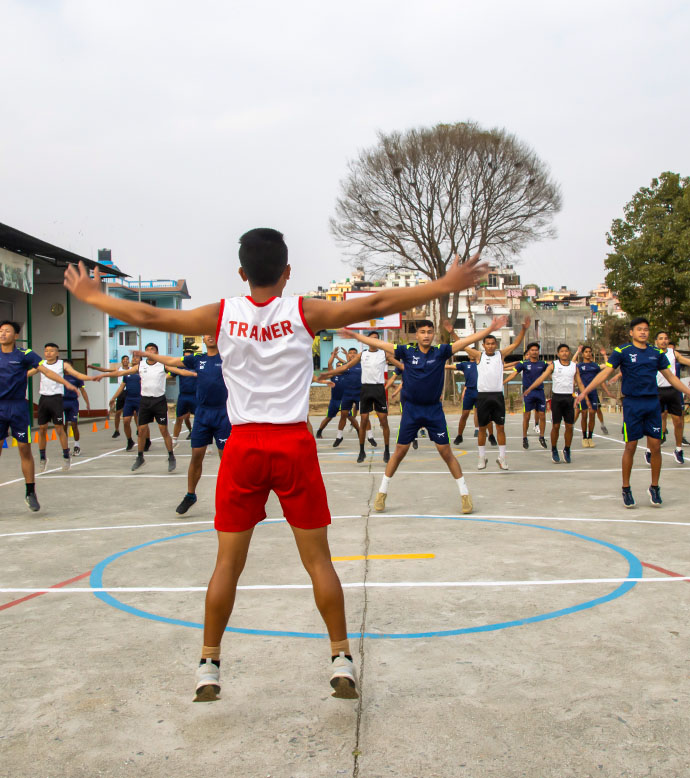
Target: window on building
493	280
459	324
128	338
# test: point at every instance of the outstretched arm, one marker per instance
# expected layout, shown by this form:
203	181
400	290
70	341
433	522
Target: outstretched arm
322	315
581	387
592	385
86	397
680	358
580	348
539	380
342	368
389	348
197	321
162	358
496	324
675	382
55	377
509	349
118	392
112	366
509	377
180	371
116	373
69	369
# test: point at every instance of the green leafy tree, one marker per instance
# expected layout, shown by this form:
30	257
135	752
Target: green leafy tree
611	331
649	268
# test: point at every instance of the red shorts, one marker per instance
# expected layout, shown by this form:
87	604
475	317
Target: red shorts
260	458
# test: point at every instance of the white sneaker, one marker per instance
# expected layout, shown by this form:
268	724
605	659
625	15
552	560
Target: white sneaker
43	465
481	464
65	463
207	682
344	678
502	463
174	443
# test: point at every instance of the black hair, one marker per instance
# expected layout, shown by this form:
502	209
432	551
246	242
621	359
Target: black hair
263	256
562	345
53	345
661	332
126	356
352	348
584	348
638	320
425	323
490	337
17	328
531	345
374	334
188	351
151	344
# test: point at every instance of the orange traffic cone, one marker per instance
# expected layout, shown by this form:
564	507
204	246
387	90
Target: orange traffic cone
95	427
54	437
36	438
107	426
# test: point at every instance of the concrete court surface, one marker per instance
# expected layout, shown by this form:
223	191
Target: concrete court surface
577	678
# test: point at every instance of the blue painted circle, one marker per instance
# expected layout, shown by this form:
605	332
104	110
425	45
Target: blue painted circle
634	571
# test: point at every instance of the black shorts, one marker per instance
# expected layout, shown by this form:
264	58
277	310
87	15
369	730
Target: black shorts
670	400
151	408
51	409
562	408
120	401
491	407
373	397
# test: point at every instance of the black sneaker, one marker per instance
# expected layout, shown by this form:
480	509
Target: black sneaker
362	456
604	430
172	462
458	440
685	442
542	442
415	445
319	434
648	457
664	435
678	454
373	442
138	462
566	455
554	456
476	433
130	445
655	496
386	455
147	445
189	436
525	443
32	502
337	442
492	440
186	504
76	451
628	499
116	434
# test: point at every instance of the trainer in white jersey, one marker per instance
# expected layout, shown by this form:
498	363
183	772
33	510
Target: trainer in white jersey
47	386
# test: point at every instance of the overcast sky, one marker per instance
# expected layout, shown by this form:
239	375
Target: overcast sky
163	130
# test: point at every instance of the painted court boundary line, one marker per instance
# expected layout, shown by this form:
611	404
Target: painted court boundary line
37	592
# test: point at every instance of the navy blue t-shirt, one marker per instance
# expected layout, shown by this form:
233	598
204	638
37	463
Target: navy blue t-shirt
352	379
588	371
187	383
132	385
339	388
13	369
424	373
530	372
639	367
72	398
469	369
211	391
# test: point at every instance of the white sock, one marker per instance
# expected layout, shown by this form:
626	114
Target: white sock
502	452
370	435
339	434
482	451
384	484
648	451
462	486
679	448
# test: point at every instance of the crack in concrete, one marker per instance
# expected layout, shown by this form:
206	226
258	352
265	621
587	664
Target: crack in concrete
362	629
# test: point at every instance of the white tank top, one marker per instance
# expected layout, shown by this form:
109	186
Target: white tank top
373	367
563	377
490	373
661	381
152	378
268	366
47	385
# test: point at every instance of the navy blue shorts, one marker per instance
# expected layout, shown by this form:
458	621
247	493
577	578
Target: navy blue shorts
71	412
469	399
334	406
186	403
414	417
594	399
534	402
14	416
131	406
210	424
348	401
641	417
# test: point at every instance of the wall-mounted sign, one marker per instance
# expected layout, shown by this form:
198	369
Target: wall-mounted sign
16	272
391	322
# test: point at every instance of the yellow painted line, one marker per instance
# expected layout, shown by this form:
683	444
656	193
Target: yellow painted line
381	556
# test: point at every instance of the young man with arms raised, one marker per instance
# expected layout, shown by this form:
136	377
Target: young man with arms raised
639	364
265	341
531	368
337	390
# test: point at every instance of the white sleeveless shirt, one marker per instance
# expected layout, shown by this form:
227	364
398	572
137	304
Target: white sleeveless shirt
268	367
152	378
661	381
563	377
47	385
490	372
373	366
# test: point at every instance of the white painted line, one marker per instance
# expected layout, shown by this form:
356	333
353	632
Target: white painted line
527	518
355	585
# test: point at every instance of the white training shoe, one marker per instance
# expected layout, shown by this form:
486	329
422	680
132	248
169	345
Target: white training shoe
43	465
344	678
481	464
207	682
65	463
502	463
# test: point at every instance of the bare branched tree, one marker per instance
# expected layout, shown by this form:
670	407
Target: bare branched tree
418	198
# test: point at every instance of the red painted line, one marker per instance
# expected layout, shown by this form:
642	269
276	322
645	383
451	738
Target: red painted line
38	594
665	572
